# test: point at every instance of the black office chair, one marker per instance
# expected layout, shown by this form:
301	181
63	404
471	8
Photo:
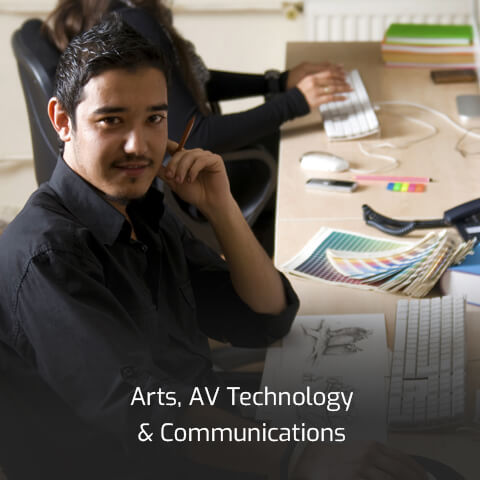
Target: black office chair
37	60
252	171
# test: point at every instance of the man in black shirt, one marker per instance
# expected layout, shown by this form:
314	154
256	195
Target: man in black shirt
102	289
105	297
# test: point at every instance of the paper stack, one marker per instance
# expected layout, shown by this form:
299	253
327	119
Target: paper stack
399	267
428	46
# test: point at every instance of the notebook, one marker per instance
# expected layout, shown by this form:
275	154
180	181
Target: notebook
429	34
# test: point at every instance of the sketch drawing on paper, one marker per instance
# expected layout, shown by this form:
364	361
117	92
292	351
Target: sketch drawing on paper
314	416
328	341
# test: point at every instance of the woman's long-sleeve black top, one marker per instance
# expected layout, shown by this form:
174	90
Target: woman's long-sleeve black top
217	132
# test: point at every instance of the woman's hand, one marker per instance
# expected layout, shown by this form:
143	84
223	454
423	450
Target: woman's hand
305	69
319	82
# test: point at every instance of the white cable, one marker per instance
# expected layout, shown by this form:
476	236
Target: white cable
432	128
394	161
430	110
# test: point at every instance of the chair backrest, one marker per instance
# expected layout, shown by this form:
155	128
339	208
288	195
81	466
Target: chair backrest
37	60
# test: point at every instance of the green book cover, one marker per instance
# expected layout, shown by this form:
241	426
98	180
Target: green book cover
428	33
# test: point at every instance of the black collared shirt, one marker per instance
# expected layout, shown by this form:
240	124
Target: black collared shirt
87	313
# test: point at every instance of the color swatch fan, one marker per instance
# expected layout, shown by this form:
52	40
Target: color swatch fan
409	268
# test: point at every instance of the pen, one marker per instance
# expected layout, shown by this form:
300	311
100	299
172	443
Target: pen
186	134
389	178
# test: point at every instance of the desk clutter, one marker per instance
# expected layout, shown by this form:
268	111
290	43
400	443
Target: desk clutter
351	259
428	46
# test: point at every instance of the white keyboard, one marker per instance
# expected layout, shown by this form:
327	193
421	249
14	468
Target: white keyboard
427	385
351	118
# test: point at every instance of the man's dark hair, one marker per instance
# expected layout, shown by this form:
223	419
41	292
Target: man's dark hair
111	44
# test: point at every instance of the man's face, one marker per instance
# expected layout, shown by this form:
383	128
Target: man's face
120	134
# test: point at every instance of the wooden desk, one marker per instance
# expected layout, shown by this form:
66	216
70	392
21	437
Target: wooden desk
301	213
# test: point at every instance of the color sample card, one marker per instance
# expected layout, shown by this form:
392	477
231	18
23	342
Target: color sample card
401	267
312	260
366	265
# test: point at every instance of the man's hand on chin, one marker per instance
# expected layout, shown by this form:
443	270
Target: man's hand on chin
198	177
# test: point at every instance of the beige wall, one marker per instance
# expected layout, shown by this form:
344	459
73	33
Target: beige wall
242	35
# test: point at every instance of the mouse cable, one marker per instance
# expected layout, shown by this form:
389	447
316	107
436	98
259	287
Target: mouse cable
442	115
393	160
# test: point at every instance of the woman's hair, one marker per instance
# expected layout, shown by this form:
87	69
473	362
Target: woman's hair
72	17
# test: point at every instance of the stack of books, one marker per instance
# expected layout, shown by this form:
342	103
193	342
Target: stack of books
428	46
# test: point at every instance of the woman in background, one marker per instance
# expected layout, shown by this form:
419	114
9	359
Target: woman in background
192	86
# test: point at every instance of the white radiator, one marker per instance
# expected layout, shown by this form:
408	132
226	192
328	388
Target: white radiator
363	20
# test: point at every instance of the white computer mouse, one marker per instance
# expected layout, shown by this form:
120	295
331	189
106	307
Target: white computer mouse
323	161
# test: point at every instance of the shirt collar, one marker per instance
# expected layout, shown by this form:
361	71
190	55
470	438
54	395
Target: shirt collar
92	210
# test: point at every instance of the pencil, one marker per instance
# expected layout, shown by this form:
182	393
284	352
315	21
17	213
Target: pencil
186	134
389	178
